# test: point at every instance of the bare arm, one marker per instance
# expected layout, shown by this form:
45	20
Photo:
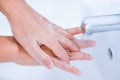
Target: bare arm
7	49
12	51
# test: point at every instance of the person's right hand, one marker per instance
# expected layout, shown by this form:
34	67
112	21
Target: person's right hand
32	30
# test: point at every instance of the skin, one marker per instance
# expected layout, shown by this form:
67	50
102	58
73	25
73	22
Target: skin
31	30
12	51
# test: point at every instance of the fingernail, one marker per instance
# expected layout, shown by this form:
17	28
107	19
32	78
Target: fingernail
78	73
90	57
93	43
50	66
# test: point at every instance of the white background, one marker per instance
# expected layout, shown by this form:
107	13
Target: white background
67	14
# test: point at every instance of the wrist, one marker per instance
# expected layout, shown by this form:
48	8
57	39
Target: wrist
8	49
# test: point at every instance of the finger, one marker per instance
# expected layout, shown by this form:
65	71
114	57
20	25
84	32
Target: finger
40	56
74	31
58	50
69	45
80	56
66	67
85	43
62	32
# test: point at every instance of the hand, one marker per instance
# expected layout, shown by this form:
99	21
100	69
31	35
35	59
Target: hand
32	30
72	55
12	51
20	56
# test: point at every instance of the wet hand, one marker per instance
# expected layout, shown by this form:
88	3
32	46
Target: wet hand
32	30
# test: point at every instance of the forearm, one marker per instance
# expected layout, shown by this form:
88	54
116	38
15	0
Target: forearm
16	11
8	7
7	49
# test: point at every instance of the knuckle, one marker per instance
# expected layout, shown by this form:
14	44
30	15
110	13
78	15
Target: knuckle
69	36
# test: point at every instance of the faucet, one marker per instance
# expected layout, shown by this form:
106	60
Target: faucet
103	23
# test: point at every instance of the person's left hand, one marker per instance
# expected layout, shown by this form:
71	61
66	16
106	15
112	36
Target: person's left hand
23	58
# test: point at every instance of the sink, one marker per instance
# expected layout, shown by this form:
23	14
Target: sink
106	63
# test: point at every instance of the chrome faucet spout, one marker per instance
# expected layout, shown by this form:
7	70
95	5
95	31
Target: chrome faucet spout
104	23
